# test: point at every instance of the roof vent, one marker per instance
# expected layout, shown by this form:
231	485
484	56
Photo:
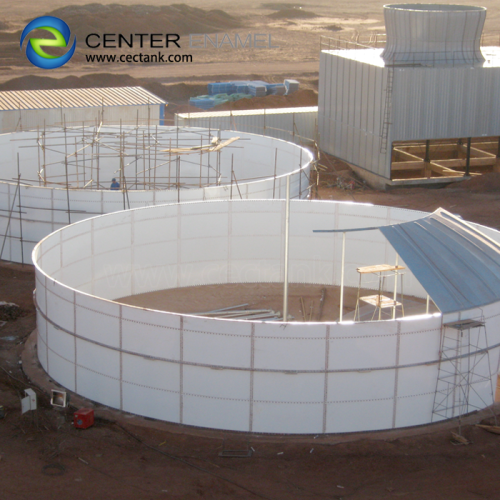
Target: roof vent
433	34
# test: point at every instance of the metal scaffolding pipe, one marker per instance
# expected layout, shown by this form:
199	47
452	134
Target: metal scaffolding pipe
287	228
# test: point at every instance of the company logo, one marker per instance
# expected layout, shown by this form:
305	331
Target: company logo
34	50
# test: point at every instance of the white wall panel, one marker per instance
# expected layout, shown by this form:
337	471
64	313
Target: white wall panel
96	387
351	416
288	387
63	307
216	383
416	389
51	258
216	342
41	345
98	320
151	374
152	278
291	347
101	361
62	369
152	254
416	380
374	342
159	404
60	343
150	334
215	413
40	296
275	417
360	386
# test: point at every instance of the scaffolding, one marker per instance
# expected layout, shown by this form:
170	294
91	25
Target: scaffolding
464	348
151	164
146	157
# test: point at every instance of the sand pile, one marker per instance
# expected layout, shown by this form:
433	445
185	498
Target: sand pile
125	19
489	182
294	13
33	82
181	92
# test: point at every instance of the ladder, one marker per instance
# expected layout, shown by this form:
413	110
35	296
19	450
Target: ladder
387	111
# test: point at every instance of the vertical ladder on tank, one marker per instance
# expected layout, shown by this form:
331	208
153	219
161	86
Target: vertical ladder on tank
463	361
387	111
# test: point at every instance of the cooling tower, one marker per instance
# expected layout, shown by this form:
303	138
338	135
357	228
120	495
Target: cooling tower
433	34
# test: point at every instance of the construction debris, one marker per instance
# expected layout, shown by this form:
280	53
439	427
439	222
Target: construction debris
234	312
9	311
457	439
222	92
495	429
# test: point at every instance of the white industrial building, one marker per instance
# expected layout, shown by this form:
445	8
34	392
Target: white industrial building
425	109
37	109
298	125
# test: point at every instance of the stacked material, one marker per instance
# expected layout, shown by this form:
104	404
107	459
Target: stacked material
253	87
237	97
240	86
221	92
202	102
257	90
220	99
291	86
220	88
277	89
209	101
241	312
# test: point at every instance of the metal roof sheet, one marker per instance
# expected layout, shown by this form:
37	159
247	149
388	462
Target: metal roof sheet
77	98
373	56
248	112
457	264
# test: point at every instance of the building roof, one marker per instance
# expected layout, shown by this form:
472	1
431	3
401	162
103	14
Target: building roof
248	112
373	57
77	98
458	265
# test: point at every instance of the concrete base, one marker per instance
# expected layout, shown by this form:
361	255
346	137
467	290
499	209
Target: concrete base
373	180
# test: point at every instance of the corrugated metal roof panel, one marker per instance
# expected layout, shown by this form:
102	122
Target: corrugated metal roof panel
77	98
458	265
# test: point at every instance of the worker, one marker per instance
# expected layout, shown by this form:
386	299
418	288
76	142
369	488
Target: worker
114	185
